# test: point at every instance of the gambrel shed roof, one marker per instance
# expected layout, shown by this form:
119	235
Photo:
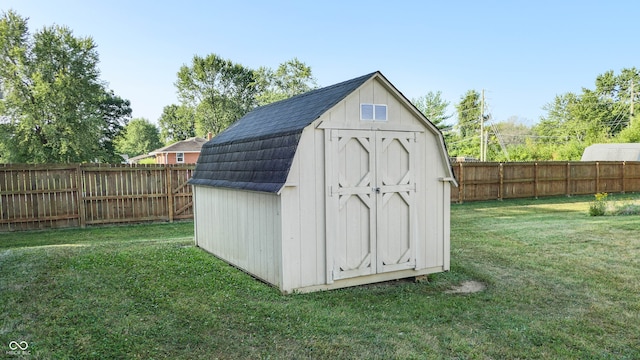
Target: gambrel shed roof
256	152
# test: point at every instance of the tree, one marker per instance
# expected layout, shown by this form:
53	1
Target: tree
55	107
177	123
615	92
139	137
508	140
575	121
572	123
219	90
115	112
469	114
215	92
630	134
466	140
291	78
435	109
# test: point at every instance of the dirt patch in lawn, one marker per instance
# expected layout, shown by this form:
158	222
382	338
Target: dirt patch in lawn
467	287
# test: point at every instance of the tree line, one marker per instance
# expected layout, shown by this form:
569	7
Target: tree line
213	93
573	121
55	108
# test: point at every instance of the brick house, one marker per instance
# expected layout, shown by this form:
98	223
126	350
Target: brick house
182	152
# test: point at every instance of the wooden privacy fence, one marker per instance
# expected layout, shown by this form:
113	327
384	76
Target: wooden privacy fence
490	181
74	195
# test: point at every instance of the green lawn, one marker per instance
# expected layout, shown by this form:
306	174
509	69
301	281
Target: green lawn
560	284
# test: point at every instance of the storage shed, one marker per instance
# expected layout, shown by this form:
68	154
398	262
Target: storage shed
340	186
612	152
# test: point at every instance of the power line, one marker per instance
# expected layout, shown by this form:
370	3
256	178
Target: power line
483	146
499	137
632	97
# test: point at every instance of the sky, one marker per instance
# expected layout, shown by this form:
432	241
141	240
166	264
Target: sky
521	53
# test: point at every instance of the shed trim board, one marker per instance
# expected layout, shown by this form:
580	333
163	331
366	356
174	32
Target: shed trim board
306	196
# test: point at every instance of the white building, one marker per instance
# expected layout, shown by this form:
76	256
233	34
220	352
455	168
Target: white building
612	152
340	186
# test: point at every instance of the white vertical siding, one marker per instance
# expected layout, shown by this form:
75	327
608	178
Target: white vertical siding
422	197
303	215
432	229
446	227
242	228
433	204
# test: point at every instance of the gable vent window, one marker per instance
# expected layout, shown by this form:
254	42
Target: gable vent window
179	158
375	112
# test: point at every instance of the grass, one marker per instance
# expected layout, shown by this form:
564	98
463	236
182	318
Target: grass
560	284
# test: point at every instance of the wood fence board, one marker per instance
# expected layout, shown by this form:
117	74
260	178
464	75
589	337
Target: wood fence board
551	178
486	181
53	195
120	194
518	180
481	181
33	196
181	193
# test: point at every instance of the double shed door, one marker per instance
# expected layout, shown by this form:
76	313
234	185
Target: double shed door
370	202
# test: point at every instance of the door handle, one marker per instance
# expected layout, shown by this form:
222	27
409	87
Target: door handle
377	190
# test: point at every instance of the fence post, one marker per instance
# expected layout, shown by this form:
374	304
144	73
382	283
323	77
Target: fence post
82	214
535	180
624	167
169	192
501	187
568	190
461	184
597	177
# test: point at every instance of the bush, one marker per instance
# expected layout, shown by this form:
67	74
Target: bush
626	209
602	206
599	206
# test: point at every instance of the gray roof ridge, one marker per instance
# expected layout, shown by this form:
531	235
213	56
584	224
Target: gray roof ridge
315	91
289	114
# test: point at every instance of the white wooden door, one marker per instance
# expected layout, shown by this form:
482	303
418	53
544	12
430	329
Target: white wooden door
395	200
369	202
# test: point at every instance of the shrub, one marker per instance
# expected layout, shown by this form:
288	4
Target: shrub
626	209
599	205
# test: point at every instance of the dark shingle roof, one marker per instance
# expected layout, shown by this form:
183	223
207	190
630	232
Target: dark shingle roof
256	152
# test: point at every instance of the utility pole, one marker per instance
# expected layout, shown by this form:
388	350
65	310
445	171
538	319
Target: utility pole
631	110
482	144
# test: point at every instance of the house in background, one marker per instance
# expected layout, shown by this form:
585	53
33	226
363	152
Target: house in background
340	186
182	152
140	158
